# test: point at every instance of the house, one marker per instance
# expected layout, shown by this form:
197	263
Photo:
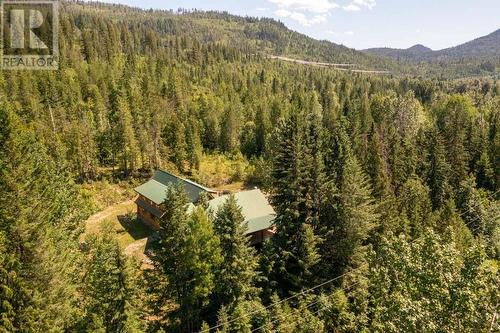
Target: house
152	194
258	213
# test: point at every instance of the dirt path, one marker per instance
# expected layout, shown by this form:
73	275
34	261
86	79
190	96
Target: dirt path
110	212
132	235
136	246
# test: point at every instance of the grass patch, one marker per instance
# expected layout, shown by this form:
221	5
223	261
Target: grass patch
122	220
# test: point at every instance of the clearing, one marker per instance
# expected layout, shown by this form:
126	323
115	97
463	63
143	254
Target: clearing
131	234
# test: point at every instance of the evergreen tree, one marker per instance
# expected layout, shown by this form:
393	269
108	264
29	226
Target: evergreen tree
230	129
194	148
175	139
348	219
438	172
17	306
377	167
485	175
261	130
109	290
187	254
295	244
236	275
454	116
40	210
415	207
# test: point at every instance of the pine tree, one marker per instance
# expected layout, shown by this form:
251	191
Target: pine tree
485	175
236	275
40	212
377	167
124	142
295	244
454	118
17	305
314	177
109	290
415	207
261	130
174	136
331	110
187	255
438	172
348	219
194	148
127	137
230	129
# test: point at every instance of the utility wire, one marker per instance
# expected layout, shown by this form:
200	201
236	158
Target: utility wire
304	292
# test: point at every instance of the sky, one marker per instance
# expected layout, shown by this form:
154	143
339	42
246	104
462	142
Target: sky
363	24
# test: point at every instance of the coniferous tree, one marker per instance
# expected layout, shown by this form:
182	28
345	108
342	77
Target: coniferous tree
230	129
194	148
438	172
109	290
236	275
485	176
17	306
126	137
261	130
39	216
187	255
454	116
350	216
377	167
295	244
415	207
175	139
156	83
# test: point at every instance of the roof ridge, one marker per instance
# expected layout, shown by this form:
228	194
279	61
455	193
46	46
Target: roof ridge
188	181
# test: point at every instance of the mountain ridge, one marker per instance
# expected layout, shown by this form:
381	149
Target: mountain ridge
262	35
267	36
483	47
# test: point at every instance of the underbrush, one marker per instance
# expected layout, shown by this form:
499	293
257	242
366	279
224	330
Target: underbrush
106	192
218	170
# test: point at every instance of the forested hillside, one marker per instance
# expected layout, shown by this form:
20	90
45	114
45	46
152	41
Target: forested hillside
386	188
480	56
247	34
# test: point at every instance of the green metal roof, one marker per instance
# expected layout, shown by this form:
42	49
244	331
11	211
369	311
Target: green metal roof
155	188
260	223
255	207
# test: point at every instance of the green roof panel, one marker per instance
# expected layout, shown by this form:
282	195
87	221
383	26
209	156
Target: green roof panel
155	189
255	207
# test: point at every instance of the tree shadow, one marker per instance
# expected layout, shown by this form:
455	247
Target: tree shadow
134	226
151	243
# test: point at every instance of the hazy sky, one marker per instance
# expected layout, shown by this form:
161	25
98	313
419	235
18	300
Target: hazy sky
365	23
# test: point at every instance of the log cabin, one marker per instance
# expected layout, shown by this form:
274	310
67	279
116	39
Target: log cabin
257	212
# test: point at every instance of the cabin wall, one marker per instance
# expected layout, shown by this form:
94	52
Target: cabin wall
148	218
260	237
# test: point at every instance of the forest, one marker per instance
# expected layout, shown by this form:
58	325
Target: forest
385	187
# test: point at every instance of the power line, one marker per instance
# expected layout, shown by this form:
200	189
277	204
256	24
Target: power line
353	270
323	283
292	314
277	303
